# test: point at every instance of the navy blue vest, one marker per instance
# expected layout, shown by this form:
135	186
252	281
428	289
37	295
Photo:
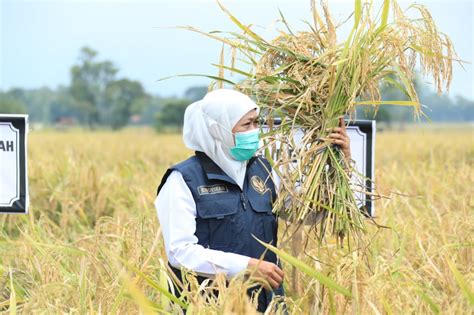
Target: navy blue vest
227	216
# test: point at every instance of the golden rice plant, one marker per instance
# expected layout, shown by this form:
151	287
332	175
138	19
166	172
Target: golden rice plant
308	79
61	258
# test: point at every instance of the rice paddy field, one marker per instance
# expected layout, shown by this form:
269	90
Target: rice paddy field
91	243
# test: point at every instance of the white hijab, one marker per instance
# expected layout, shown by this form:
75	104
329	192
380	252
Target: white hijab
208	127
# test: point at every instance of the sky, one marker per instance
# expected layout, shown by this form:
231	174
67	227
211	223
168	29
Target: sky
40	40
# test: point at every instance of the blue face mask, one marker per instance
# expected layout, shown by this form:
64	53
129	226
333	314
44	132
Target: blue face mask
246	144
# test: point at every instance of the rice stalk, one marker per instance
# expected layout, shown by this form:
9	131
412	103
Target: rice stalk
308	79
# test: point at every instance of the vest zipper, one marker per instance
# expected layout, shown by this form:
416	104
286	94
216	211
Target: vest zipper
242	198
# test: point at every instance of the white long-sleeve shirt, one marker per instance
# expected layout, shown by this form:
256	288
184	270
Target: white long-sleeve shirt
177	214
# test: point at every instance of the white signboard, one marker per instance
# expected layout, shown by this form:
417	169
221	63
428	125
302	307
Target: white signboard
13	168
362	137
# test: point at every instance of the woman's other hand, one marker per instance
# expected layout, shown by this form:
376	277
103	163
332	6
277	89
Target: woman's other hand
339	136
267	270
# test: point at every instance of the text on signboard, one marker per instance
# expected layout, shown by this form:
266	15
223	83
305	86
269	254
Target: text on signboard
6	146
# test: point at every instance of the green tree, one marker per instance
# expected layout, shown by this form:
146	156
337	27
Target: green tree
89	81
123	98
37	102
10	105
154	105
64	105
172	114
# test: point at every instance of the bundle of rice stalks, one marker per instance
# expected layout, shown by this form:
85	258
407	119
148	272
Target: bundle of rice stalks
308	79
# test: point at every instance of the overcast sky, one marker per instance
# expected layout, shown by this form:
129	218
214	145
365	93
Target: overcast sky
40	40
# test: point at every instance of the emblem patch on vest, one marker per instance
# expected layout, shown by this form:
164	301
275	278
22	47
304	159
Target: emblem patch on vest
258	184
211	190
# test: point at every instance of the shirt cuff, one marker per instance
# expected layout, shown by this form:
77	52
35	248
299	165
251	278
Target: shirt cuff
237	264
233	263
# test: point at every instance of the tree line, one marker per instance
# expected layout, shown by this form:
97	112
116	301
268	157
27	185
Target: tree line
96	97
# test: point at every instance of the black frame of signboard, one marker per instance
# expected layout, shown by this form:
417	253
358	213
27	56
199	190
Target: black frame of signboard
368	127
19	122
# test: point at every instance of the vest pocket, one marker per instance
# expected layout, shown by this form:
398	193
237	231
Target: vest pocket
223	221
262	204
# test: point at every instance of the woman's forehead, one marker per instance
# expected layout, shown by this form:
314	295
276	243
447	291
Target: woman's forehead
250	115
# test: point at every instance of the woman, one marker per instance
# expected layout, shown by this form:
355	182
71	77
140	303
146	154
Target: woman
210	204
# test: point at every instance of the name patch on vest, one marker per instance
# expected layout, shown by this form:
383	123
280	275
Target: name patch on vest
212	190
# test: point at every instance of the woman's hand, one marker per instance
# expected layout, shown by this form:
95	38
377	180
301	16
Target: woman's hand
269	271
339	136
